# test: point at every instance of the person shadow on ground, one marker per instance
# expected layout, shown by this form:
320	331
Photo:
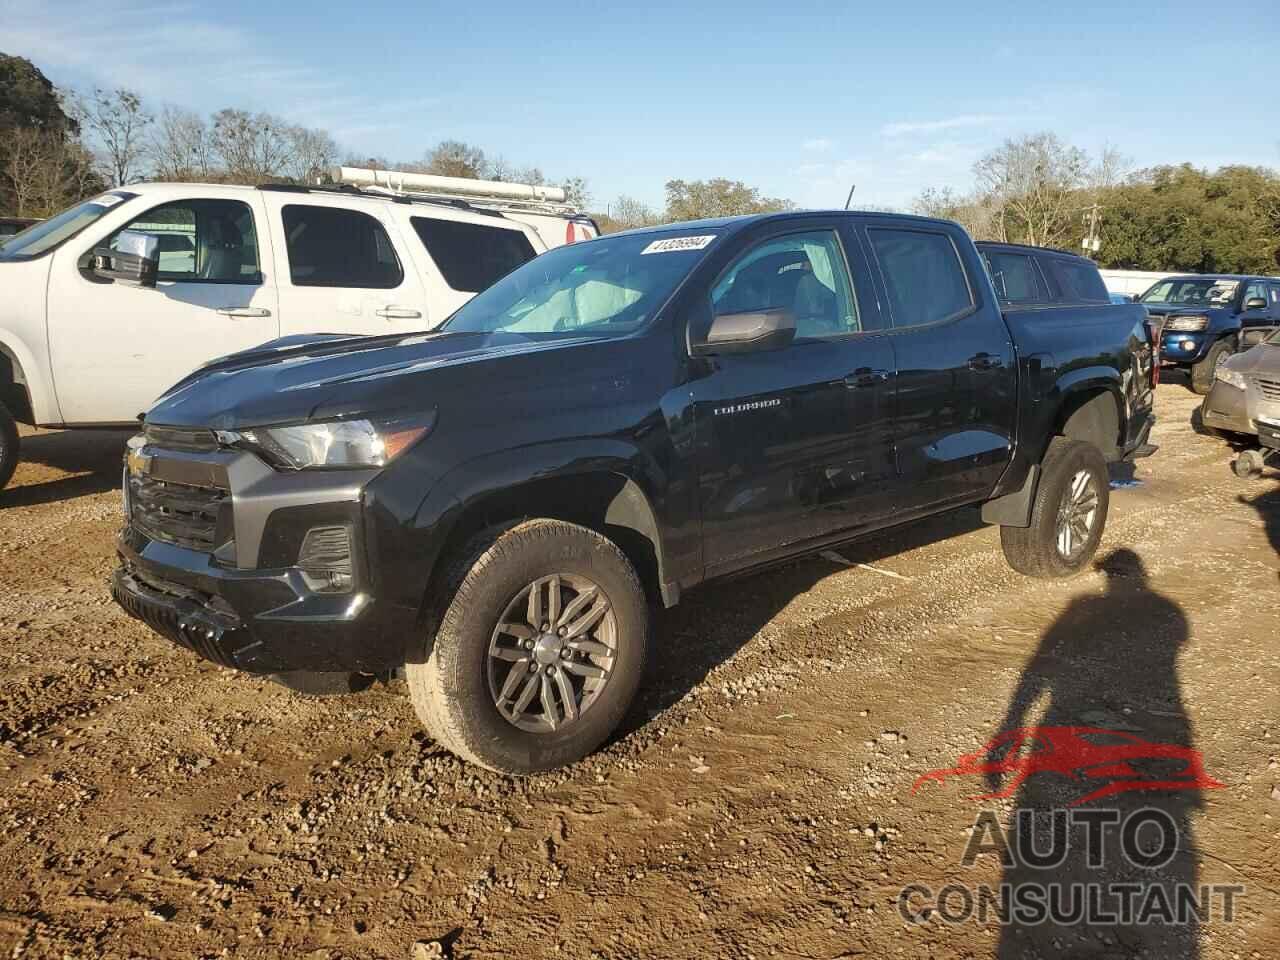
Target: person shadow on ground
1108	663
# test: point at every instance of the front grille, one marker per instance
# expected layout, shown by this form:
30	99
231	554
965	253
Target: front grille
175	513
1270	389
181	438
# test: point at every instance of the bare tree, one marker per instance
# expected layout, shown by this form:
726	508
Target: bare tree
181	147
973	212
629	213
1031	186
117	121
453	158
252	147
311	154
46	171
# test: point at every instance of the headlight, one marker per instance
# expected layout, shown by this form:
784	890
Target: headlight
1187	324
340	444
1227	375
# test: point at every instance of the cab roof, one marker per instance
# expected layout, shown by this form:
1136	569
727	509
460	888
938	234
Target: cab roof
731	225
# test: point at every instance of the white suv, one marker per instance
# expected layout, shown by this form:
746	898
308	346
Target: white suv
237	266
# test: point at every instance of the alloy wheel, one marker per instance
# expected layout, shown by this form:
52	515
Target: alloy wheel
1077	515
552	653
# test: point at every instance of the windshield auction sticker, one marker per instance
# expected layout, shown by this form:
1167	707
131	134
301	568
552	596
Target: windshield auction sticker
676	244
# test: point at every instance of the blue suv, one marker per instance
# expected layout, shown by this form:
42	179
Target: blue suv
1202	317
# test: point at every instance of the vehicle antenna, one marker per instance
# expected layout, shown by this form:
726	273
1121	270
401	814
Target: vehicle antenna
849	199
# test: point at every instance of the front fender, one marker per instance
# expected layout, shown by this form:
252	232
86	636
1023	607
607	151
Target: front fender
409	551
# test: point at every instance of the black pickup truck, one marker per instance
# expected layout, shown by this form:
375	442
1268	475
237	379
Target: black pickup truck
495	506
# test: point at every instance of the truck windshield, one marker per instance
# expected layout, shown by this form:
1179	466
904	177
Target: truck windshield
1196	291
606	288
47	234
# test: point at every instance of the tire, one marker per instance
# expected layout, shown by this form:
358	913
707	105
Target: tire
1037	550
1249	465
466	682
1202	372
316	684
10	446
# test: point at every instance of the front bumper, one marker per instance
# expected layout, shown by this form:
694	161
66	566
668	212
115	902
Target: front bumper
245	604
1227	408
1184	347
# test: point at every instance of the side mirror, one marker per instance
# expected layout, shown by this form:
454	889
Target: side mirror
135	259
749	332
1256	303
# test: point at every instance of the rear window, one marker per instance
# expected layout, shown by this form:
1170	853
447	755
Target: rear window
1078	281
923	273
1014	276
333	247
472	256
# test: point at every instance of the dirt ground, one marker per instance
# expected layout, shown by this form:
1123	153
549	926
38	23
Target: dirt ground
758	803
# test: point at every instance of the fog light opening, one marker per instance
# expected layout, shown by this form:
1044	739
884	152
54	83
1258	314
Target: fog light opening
325	559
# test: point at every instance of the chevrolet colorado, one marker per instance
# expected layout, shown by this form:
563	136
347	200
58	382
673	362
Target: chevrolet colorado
496	506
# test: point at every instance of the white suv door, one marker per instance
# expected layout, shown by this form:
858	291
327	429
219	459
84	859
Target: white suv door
343	267
115	347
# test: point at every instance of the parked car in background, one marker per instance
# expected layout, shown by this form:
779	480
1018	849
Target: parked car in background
86	343
1203	318
496	506
1246	391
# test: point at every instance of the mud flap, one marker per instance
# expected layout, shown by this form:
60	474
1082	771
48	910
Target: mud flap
1014	509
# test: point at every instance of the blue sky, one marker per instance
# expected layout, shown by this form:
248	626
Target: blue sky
800	99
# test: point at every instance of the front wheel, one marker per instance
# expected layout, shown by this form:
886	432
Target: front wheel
542	640
1202	373
1068	515
9	445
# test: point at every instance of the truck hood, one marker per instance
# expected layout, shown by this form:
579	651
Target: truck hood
326	376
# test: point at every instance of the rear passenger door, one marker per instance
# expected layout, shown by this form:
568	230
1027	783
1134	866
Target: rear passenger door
955	396
343	269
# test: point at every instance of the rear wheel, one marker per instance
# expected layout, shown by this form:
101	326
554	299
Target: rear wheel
1202	373
9	445
542	640
1067	516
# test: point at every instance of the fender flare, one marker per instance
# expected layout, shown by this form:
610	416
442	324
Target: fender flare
1083	380
639	483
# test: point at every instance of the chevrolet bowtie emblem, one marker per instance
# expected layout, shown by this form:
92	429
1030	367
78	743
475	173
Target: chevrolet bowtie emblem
137	462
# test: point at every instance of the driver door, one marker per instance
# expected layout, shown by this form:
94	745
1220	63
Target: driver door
117	347
794	444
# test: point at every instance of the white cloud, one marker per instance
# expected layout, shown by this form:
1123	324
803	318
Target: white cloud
816	145
174	52
905	127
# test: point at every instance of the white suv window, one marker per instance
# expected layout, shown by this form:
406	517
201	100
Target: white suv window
202	241
472	256
336	247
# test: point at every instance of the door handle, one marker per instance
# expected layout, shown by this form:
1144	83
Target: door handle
244	311
398	313
985	361
865	377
